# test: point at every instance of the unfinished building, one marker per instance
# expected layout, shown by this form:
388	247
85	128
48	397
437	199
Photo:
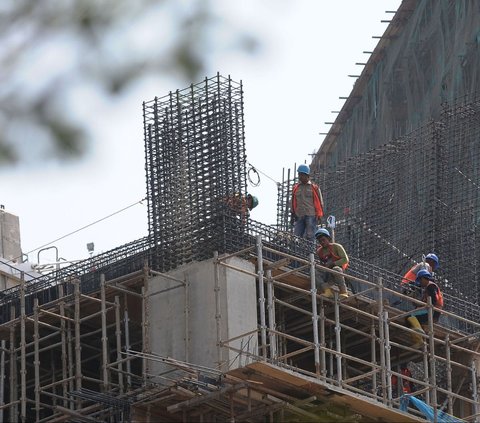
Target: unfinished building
216	317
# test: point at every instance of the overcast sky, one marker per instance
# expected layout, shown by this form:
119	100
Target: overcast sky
307	49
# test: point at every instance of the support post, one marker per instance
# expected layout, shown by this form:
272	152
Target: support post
218	312
381	336
271	316
36	360
388	363
23	362
432	360
118	337
313	293
104	334
78	348
261	297
338	343
64	345
373	357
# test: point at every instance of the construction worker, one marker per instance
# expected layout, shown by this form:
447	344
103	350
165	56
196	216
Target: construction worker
407	385
417	318
242	204
333	256
307	205
430	263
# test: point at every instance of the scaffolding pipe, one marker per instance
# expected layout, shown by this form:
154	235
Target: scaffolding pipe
63	358
218	311
373	356
118	337
78	348
261	297
271	316
23	364
2	377
475	391
36	361
433	370
127	339
104	339
338	343
388	363
313	289
187	319
323	363
381	336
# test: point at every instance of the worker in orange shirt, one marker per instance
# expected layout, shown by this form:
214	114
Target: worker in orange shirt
307	205
430	263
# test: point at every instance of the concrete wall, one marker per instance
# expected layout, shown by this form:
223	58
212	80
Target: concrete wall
183	323
10	236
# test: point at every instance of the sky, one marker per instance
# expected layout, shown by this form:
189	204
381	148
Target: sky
292	84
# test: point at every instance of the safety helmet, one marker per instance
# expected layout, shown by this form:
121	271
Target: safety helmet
303	168
422	273
434	258
254	200
322	232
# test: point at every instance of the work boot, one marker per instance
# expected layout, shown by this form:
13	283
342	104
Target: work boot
327	292
343	292
417	338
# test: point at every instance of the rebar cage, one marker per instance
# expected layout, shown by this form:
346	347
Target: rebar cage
195	164
412	196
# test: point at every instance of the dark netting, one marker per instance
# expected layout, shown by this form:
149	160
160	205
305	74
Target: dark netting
415	195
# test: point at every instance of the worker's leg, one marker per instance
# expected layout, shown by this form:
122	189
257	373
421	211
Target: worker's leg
322	281
417	338
340	281
299	228
310	227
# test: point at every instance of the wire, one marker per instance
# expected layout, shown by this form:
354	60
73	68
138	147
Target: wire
257	171
82	228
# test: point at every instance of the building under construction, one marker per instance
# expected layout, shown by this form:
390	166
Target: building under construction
214	317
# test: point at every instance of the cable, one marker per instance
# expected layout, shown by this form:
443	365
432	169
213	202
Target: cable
257	171
81	229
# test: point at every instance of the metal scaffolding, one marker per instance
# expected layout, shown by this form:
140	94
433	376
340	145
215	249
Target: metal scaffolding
411	196
87	356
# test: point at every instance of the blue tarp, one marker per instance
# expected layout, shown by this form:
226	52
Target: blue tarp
442	417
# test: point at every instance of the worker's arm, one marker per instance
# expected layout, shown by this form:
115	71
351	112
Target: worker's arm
340	252
432	293
320	196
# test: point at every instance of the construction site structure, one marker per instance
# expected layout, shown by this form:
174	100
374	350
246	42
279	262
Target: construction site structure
216	317
428	55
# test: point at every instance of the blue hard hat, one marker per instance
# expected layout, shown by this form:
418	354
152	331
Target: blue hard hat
322	232
303	168
254	200
434	258
422	273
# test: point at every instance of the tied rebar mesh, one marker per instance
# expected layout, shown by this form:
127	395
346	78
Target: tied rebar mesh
412	196
195	163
